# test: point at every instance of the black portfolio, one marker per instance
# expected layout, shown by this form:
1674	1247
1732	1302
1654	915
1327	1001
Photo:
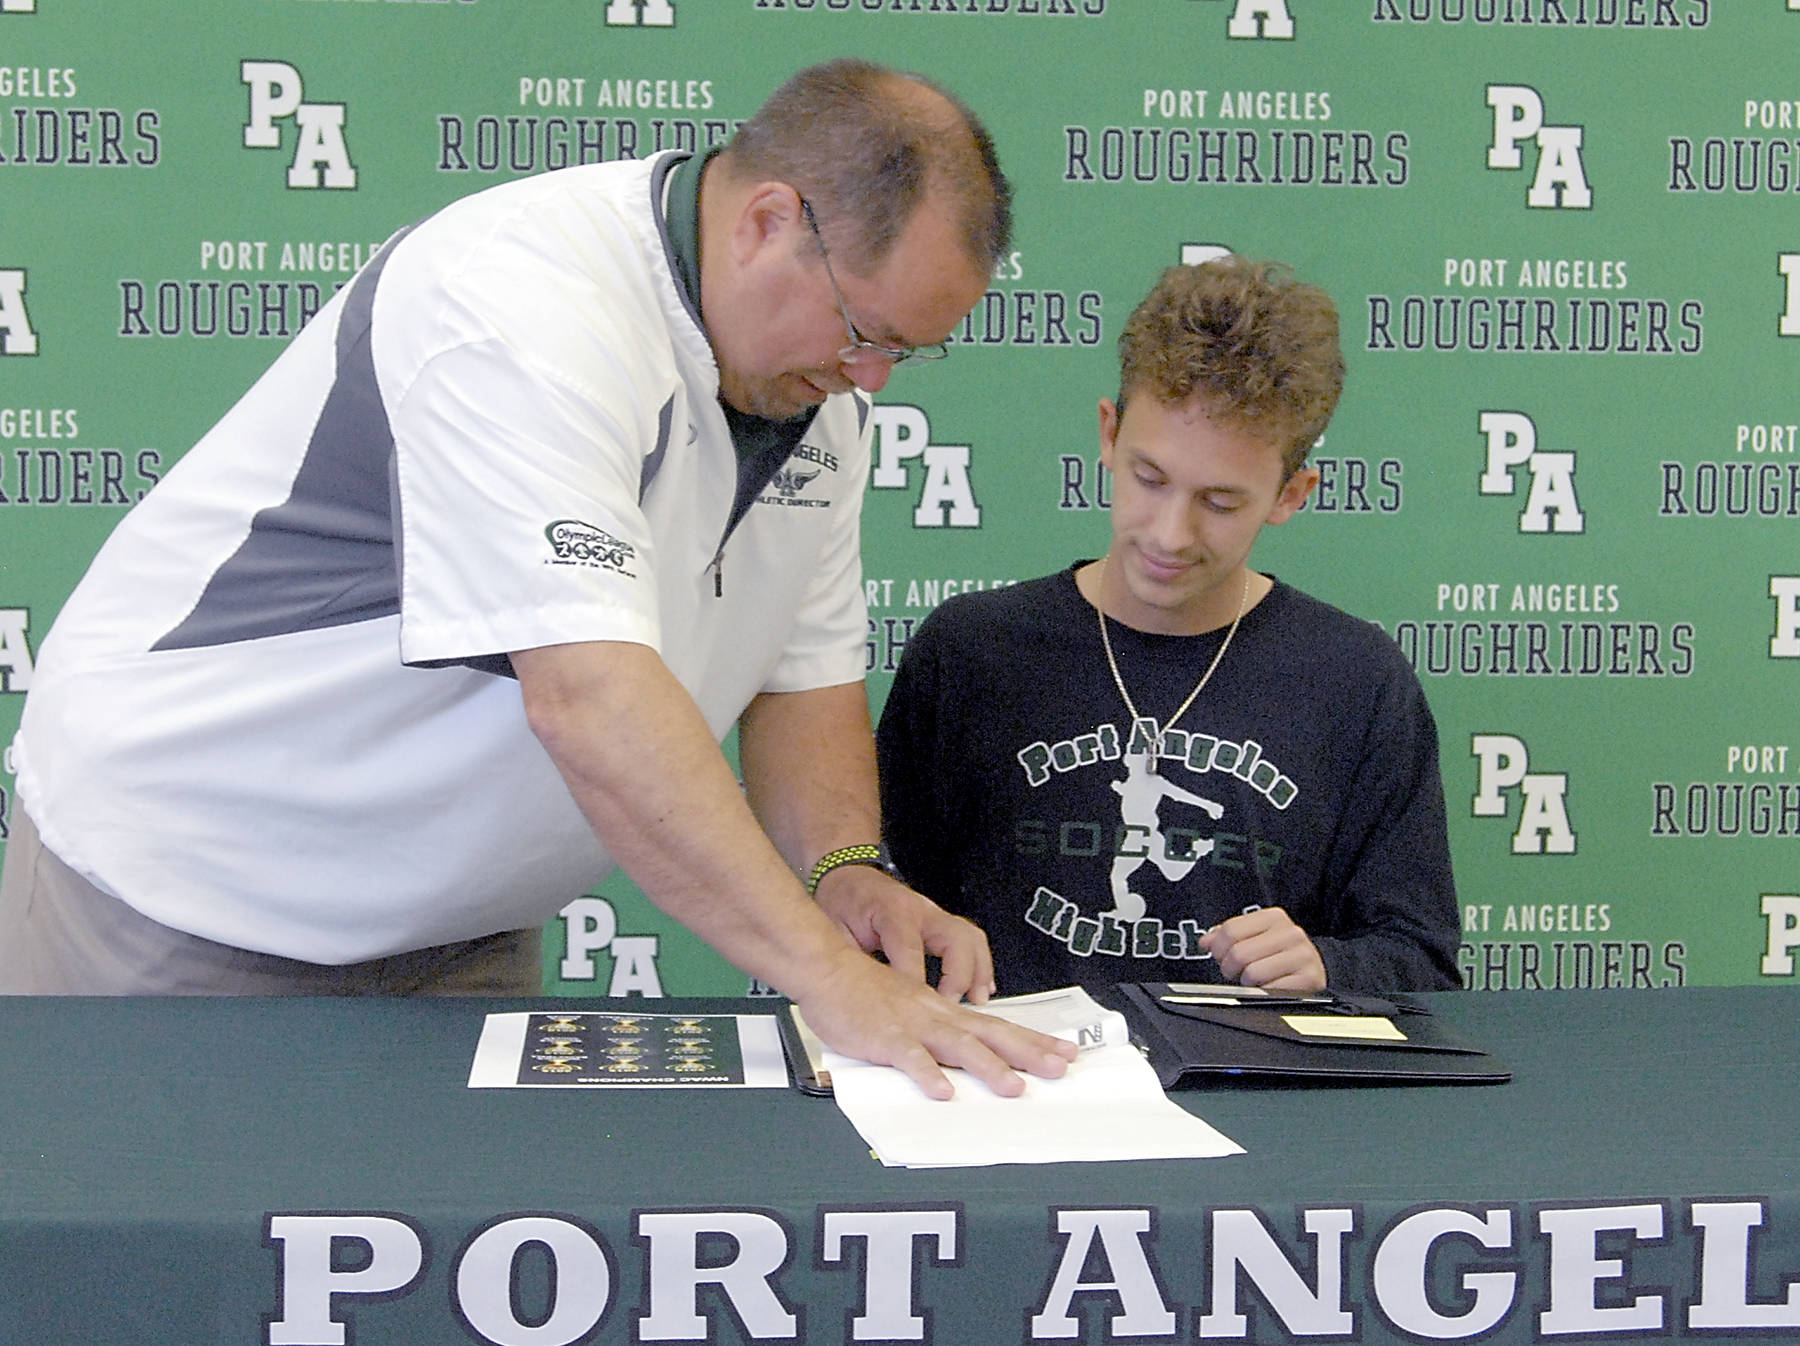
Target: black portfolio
1192	1033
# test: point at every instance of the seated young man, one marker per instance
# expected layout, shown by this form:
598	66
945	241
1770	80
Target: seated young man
1163	765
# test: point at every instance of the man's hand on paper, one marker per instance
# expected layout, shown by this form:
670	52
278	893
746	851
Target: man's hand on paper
882	914
877	1013
1265	948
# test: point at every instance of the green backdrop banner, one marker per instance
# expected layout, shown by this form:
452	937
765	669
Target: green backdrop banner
1564	238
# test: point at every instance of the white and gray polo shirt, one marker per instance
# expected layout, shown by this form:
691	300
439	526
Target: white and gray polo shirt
275	712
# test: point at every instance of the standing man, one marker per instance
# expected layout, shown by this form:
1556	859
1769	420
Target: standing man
1163	765
450	613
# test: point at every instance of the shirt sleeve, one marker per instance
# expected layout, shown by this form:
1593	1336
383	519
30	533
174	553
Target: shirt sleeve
519	451
912	742
1397	905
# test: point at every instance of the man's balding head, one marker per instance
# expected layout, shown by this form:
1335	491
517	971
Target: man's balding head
866	146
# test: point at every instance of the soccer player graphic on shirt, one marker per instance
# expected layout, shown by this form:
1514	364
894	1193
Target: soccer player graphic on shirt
1140	793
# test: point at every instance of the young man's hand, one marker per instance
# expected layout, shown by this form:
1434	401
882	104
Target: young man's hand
1265	948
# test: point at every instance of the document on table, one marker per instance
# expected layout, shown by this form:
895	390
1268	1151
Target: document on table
1108	1106
608	1049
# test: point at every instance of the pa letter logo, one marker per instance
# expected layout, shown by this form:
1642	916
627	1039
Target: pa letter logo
1260	21
1504	764
16	336
1550	505
648	13
15	650
321	158
946	498
1785	590
1781	911
1561	182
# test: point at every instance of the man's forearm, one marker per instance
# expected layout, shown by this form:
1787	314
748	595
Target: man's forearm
641	762
809	770
809	767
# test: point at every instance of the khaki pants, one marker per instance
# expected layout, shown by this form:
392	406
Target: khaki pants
60	935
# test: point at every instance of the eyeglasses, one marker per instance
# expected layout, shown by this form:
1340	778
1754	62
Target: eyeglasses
859	344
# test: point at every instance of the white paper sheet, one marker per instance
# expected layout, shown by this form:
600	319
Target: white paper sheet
1108	1106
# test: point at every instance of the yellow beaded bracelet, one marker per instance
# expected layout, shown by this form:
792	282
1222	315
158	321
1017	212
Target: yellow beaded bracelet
843	855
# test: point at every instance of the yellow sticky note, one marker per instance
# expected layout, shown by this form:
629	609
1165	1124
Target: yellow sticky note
1364	1027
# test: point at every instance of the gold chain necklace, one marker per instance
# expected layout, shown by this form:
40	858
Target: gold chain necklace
1119	682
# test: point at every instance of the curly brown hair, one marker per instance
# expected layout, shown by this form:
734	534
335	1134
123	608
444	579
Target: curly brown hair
1257	347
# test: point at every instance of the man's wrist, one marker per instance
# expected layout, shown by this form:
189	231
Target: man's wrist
867	854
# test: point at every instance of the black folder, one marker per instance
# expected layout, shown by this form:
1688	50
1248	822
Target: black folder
1195	1034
